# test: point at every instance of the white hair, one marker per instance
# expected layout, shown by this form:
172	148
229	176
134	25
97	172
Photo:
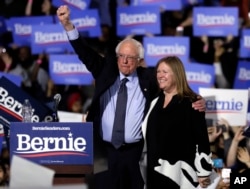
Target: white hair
136	43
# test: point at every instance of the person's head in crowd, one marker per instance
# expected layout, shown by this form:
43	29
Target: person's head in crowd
7	58
25	57
75	102
48	8
130	53
171	69
106	32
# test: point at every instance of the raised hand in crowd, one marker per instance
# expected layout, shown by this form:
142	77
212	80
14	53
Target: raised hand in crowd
225	124
213	133
244	156
232	153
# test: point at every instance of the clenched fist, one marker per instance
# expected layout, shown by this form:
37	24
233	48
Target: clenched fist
63	14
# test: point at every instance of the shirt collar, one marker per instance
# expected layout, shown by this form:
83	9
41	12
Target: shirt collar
130	78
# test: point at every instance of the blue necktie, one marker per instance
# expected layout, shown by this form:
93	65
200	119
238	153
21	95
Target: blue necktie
120	113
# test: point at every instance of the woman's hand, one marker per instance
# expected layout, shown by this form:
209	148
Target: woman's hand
243	156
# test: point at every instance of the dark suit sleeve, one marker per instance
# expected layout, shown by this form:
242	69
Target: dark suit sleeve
92	60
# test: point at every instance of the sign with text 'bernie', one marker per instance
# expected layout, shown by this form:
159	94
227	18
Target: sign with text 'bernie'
165	4
245	43
73	4
242	76
200	75
53	143
159	47
215	21
69	70
86	22
138	20
11	100
22	27
228	104
49	38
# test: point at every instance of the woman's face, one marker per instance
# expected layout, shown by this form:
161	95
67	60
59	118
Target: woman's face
165	77
46	5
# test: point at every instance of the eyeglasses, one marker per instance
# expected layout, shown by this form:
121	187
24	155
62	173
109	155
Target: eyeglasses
127	57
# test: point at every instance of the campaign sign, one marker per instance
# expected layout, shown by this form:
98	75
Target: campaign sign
2	25
138	20
245	43
215	21
11	100
16	79
22	27
53	143
86	21
229	104
49	38
160	46
242	76
69	70
72	4
200	75
165	4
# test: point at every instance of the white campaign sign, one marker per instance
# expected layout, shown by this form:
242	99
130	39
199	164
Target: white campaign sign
229	104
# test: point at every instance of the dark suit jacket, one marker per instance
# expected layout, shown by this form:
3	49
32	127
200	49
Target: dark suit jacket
105	72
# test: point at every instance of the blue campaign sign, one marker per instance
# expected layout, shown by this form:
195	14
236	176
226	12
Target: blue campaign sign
21	27
86	21
73	4
2	25
215	21
165	4
53	143
245	43
16	79
69	70
49	38
200	75
11	100
242	76
138	20
159	47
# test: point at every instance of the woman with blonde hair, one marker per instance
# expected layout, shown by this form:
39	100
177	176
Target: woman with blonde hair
176	150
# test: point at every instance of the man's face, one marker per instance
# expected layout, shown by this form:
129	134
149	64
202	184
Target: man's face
128	58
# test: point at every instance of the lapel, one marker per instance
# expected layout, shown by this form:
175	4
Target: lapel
144	123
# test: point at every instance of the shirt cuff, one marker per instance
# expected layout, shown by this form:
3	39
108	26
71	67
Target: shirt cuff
73	34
